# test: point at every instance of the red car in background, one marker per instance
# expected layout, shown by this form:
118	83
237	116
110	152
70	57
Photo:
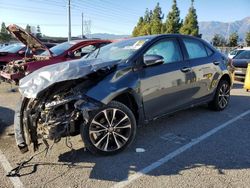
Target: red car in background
15	70
17	51
12	52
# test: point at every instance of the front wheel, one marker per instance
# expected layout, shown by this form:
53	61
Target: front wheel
221	97
110	129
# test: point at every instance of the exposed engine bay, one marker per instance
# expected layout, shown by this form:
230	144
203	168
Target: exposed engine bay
19	66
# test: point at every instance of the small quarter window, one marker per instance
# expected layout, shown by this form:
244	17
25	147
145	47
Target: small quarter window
209	51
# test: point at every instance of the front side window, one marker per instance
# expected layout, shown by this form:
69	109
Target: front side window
84	50
58	49
194	48
168	49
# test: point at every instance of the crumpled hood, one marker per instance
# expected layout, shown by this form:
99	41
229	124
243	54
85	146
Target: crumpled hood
37	81
26	38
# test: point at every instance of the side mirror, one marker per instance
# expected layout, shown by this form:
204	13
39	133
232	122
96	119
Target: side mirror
70	54
151	60
21	52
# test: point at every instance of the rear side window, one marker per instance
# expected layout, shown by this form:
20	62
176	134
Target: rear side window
195	48
169	49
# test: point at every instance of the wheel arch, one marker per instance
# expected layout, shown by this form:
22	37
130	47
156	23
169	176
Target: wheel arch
129	99
227	78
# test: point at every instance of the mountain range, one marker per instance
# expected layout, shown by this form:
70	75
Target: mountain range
207	29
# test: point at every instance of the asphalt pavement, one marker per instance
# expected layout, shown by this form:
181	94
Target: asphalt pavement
191	148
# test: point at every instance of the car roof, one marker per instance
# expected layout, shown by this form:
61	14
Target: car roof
85	40
167	35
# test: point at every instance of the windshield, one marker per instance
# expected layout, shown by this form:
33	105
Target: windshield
119	50
5	48
243	55
13	48
58	49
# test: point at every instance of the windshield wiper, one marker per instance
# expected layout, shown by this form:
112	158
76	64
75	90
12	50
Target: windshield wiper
97	52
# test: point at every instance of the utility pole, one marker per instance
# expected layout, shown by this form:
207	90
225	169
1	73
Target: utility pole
82	24
69	21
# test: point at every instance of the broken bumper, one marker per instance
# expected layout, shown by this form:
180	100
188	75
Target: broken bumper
26	132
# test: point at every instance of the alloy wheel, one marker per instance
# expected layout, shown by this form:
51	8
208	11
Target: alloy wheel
110	129
224	94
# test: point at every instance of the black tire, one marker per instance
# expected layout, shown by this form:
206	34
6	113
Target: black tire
222	93
110	129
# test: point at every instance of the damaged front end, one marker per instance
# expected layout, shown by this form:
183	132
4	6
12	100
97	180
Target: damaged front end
55	109
60	116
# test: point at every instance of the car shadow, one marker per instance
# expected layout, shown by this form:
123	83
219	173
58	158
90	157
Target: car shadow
6	119
119	167
105	168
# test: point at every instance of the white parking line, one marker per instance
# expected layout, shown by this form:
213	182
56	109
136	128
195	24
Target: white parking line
7	167
175	153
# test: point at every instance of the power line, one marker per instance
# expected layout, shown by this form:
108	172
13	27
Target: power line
100	11
104	9
44	24
27	10
107	17
119	8
50	2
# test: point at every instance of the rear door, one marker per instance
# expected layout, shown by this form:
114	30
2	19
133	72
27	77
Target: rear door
166	87
205	65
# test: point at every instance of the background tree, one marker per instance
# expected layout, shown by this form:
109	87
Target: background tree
137	29
146	30
247	39
233	39
38	32
28	28
3	28
4	35
157	17
190	25
173	22
218	40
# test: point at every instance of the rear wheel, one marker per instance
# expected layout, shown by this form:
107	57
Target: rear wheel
221	97
110	129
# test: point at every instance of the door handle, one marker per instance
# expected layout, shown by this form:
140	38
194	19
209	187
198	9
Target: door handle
216	62
186	69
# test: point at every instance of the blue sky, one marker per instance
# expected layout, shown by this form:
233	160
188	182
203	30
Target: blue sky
110	16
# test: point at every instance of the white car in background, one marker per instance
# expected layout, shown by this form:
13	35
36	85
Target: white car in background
237	51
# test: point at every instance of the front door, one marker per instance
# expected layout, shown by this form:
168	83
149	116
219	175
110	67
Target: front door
168	86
